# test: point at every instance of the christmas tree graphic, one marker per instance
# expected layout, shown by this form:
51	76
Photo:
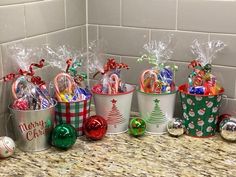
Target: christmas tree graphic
157	117
114	117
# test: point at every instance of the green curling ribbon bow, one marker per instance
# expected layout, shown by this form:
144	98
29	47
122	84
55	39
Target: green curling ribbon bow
83	75
73	69
151	60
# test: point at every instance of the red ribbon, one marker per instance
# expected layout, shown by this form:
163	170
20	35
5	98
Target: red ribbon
194	63
38	65
9	77
34	79
37	80
111	65
68	62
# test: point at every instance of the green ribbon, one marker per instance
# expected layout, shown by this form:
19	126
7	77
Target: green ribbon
83	75
73	68
151	60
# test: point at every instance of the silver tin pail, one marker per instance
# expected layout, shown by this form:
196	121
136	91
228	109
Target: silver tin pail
32	128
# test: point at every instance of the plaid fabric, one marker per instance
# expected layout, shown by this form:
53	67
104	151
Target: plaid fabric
73	113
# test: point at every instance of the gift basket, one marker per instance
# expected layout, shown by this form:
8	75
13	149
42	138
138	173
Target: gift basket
113	97
202	94
70	89
32	110
157	91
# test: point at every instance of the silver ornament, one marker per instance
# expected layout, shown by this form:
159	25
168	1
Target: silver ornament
175	127
228	129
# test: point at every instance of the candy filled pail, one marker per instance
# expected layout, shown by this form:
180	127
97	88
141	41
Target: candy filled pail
156	110
32	128
115	108
73	113
200	113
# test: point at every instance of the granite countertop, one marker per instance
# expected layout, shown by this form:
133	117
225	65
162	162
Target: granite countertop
122	155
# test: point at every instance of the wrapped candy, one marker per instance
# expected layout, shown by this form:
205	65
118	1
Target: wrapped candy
29	91
69	86
111	82
200	80
160	78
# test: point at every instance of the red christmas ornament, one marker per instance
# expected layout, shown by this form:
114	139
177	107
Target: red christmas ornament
95	127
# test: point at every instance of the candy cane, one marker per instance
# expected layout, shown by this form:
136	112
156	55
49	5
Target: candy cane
143	86
15	85
13	89
56	84
113	88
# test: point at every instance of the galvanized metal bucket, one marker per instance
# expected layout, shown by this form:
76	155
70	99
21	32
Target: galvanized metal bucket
33	128
115	108
157	110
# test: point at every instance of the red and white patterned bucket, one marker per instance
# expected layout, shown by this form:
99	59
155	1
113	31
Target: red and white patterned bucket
74	114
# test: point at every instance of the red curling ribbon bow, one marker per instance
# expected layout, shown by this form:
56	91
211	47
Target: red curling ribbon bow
22	72
9	77
37	80
31	71
38	65
34	79
111	65
68	62
193	64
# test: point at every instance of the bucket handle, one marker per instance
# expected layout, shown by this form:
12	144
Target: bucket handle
224	97
6	127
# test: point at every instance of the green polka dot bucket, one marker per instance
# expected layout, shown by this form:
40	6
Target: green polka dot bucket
200	113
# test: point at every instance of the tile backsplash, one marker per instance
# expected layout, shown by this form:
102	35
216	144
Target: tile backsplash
125	26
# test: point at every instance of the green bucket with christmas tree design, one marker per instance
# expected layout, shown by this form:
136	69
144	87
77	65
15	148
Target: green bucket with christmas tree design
156	110
200	113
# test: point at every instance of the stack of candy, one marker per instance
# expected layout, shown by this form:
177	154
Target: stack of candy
201	80
29	91
161	77
69	86
111	82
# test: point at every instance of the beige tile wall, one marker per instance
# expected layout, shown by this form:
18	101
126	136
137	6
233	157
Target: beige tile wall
36	22
125	25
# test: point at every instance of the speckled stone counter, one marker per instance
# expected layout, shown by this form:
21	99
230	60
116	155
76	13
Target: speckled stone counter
122	155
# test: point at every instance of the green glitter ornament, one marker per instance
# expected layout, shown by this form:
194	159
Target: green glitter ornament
137	127
64	136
